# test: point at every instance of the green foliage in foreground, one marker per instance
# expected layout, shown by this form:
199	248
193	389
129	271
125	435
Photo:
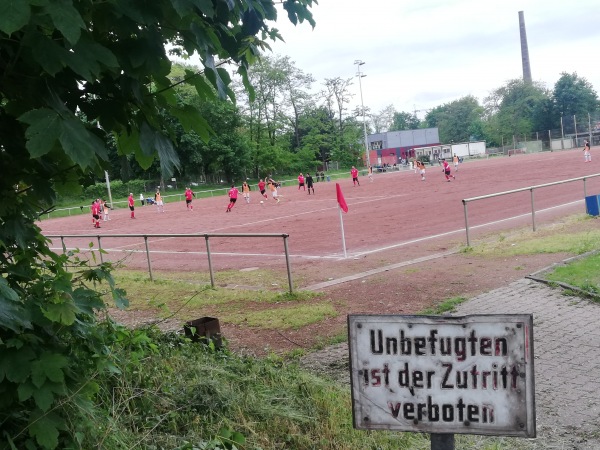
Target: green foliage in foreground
184	395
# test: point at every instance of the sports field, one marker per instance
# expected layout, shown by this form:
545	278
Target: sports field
397	216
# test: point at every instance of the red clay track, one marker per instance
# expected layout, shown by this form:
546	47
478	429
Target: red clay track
395	209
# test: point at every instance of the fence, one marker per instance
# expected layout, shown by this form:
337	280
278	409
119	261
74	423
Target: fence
77	210
571	134
206	237
531	189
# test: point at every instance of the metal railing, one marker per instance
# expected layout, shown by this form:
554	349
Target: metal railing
206	237
531	189
168	198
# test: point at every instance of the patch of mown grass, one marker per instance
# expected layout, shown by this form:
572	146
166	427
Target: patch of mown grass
582	273
172	295
292	317
260	278
564	237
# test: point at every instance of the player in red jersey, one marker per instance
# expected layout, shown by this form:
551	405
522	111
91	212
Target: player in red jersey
261	187
301	181
188	198
446	169
96	213
233	195
354	173
131	204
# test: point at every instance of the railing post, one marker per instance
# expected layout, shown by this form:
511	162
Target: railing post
466	222
287	263
210	269
584	189
100	250
441	441
62	240
148	257
532	209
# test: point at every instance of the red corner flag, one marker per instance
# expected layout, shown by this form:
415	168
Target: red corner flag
340	198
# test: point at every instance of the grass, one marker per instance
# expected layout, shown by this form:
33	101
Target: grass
582	273
176	394
447	306
184	295
293	317
576	235
186	393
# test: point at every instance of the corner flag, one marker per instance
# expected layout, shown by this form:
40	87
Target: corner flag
340	198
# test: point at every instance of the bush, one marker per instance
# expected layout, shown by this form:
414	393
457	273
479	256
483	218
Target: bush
118	189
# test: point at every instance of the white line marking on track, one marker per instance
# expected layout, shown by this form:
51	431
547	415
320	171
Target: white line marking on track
289	216
335	255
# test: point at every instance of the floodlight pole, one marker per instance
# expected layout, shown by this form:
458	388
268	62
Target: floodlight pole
108	188
359	63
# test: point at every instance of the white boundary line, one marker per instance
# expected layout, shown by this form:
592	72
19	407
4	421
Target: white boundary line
336	255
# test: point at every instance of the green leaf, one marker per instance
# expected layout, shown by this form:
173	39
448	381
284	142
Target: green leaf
87	301
213	75
190	119
238	438
44	397
6	292
127	143
14	15
63	313
119	297
43	130
89	58
147	139
290	7
15	365
66	19
79	144
204	90
48	366
169	160
25	391
44	428
13	316
206	6
183	7
48	53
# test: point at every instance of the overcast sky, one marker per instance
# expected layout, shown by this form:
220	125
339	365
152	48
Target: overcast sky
422	53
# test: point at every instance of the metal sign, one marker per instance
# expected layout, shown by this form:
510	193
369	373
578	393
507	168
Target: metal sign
434	374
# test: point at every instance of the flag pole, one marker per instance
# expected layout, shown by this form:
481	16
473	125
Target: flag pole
342	227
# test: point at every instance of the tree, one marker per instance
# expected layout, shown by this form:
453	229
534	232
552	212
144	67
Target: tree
404	121
511	108
574	96
280	98
383	120
456	120
72	73
318	131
